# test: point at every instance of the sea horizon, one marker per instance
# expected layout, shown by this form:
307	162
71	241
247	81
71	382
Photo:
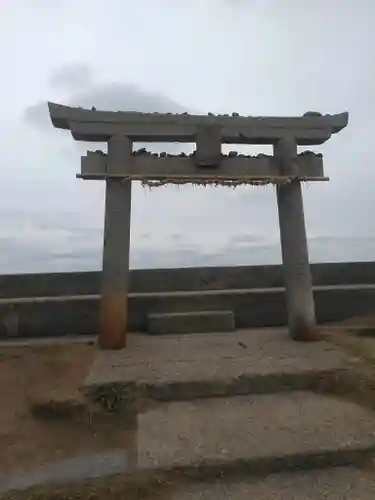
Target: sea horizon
25	259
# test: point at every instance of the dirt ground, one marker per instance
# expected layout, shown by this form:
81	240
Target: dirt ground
29	375
35	374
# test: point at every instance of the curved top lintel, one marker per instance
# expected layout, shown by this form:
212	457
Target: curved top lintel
341	120
61	115
94	123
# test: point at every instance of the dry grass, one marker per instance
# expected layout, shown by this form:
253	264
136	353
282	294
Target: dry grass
357	381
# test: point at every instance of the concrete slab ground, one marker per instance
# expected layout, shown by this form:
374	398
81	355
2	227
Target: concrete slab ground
273	421
341	483
184	367
78	468
254	434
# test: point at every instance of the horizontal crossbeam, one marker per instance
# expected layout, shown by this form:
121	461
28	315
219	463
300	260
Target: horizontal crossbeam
95	165
92	125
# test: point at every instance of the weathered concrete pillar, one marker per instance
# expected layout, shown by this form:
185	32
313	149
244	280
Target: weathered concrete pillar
115	274
297	275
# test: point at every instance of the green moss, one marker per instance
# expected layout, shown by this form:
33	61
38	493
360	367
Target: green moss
111	397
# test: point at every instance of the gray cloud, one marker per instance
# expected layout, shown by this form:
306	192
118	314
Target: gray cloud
127	97
71	76
37	116
85	92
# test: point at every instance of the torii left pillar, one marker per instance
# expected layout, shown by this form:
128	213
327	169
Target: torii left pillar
116	247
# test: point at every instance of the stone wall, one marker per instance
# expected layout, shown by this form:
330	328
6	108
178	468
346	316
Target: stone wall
67	303
184	279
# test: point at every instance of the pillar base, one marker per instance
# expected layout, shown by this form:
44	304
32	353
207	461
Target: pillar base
300	331
113	324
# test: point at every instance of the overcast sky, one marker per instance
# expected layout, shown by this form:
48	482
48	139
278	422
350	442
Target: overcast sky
260	57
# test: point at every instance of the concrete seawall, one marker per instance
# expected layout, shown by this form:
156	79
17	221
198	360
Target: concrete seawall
67	303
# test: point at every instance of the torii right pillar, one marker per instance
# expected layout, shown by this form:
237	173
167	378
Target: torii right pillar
294	248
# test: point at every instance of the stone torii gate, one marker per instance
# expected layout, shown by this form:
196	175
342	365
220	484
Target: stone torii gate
207	165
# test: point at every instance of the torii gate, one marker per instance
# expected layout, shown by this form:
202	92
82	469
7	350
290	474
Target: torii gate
207	165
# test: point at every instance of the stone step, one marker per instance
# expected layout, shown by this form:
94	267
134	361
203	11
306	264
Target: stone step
224	437
191	322
185	367
344	483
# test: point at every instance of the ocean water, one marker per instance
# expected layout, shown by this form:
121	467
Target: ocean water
65	251
172	227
